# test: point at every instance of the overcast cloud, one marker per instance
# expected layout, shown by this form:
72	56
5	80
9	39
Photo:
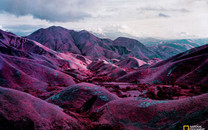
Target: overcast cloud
141	18
51	10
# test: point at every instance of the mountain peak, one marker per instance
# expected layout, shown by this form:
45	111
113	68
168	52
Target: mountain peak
125	38
55	28
124	41
56	38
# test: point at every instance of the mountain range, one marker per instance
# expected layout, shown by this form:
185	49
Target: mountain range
57	78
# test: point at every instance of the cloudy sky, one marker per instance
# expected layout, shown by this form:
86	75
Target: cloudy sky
165	19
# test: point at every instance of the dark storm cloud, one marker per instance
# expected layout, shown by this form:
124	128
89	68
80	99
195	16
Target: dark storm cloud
51	10
163	15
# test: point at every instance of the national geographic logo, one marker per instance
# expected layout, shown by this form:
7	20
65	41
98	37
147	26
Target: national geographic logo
186	127
193	127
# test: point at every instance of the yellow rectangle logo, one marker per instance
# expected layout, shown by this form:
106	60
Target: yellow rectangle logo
185	127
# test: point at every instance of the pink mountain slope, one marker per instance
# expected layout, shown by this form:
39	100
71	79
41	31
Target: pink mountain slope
27	65
19	110
136	48
130	62
106	110
56	38
188	67
63	40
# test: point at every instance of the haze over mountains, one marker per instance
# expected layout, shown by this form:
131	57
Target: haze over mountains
101	83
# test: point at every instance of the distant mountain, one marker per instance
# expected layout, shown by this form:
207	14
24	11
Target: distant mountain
57	38
93	47
64	40
83	42
168	48
201	41
149	41
188	67
111	34
136	48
